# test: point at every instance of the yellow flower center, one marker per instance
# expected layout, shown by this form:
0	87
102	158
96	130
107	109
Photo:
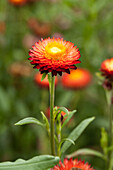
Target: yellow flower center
55	50
109	65
76	74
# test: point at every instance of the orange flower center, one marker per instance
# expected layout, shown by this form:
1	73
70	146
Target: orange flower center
77	74
55	50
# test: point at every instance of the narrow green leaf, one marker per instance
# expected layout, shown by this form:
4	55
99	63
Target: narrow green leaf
67	139
63	109
104	141
69	116
43	76
86	151
49	77
110	148
36	163
76	133
46	123
29	120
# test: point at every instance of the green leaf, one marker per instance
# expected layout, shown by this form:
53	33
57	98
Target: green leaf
49	77
36	163
76	133
68	117
43	76
104	141
110	148
29	120
63	109
67	139
46	123
86	151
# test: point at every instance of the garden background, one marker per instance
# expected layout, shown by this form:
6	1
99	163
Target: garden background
86	23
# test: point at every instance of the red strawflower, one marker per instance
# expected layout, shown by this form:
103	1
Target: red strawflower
17	2
107	69
79	78
54	55
45	82
72	165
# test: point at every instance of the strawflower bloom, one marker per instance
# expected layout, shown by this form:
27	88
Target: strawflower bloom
107	69
18	2
79	78
45	82
54	55
72	165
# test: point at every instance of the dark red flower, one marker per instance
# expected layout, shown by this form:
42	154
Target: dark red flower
54	55
79	78
72	165
107	69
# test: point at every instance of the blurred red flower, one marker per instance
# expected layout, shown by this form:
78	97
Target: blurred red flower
39	28
79	78
2	27
54	55
107	68
72	165
43	83
18	2
20	69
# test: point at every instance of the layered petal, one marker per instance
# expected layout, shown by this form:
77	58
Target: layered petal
72	165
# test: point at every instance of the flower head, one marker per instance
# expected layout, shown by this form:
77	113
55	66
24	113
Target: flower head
107	69
72	165
45	82
17	2
77	79
54	55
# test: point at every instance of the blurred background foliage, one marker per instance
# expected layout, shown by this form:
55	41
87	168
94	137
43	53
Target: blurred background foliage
86	23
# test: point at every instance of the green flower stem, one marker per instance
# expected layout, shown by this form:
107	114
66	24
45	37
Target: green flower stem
52	130
109	98
58	130
110	138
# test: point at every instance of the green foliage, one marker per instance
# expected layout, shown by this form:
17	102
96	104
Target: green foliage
46	123
43	76
36	163
68	117
76	133
104	141
86	151
63	109
29	120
